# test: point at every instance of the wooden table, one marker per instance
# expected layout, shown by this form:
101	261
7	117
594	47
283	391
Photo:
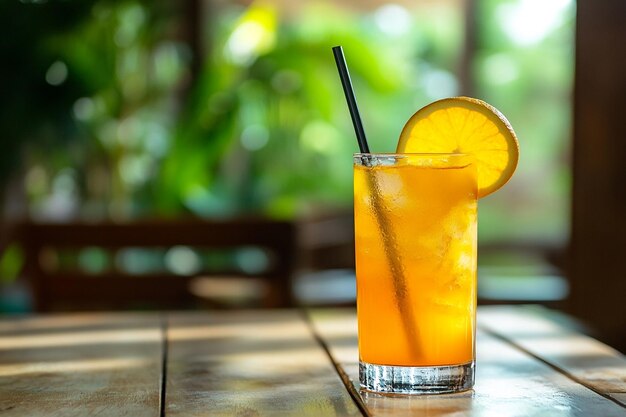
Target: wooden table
286	363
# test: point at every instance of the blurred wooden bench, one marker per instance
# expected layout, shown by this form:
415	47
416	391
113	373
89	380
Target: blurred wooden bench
58	287
325	276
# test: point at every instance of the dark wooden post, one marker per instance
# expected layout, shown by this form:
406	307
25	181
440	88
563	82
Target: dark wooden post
466	75
597	266
193	15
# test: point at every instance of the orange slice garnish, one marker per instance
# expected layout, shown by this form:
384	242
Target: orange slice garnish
468	126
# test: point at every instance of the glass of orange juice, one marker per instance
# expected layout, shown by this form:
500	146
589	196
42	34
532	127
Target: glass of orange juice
415	231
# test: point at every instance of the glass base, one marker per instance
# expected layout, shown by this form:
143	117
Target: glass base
416	380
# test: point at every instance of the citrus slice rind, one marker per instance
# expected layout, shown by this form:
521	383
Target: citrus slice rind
469	126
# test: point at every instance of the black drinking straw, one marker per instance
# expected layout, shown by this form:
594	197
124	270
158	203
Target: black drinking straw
388	238
349	92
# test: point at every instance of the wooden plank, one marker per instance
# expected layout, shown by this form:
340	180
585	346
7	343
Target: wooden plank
81	365
509	382
258	363
593	363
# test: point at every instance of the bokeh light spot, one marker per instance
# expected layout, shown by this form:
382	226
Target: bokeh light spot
57	73
252	260
320	136
84	108
393	20
254	137
439	83
527	22
181	260
500	69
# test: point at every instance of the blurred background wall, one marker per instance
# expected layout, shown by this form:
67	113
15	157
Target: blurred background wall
126	109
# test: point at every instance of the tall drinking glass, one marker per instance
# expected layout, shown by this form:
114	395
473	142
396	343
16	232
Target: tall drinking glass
415	230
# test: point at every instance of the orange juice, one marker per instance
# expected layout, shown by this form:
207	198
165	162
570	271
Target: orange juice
415	231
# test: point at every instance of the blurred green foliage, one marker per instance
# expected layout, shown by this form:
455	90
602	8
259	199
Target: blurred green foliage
524	66
98	109
11	261
269	116
33	111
